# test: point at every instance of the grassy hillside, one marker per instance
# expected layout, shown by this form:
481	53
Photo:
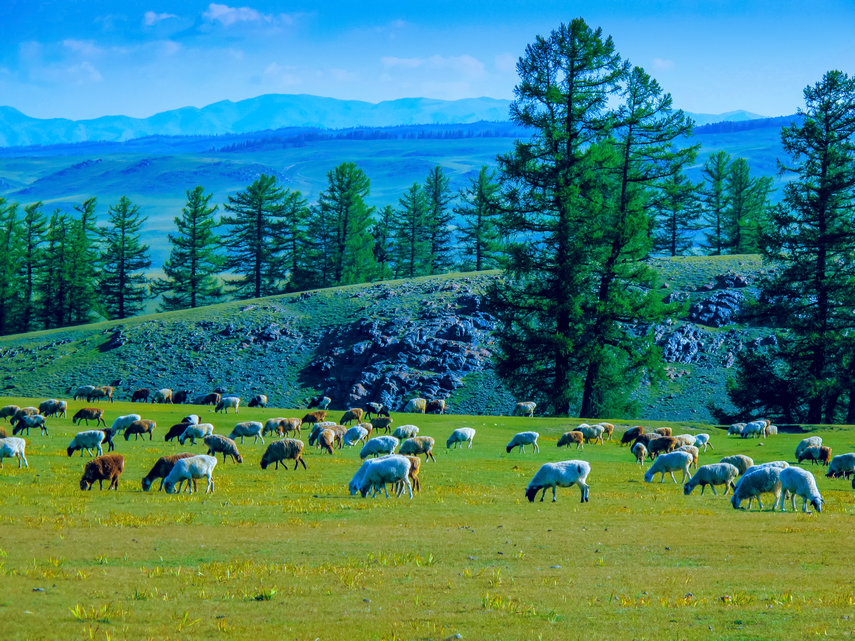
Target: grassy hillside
291	554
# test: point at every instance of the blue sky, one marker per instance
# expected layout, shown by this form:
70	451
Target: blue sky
87	58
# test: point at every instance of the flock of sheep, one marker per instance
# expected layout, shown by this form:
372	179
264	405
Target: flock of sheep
382	466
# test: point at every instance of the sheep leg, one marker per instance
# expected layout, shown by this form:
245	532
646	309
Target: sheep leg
554	499
536	448
543	495
712	487
298	461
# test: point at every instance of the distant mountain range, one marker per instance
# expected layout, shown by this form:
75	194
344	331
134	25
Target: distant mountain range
272	111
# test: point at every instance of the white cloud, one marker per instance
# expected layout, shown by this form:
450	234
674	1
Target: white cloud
150	18
230	15
84	73
464	65
84	47
278	76
663	63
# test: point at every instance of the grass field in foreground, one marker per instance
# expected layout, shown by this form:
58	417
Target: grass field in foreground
290	555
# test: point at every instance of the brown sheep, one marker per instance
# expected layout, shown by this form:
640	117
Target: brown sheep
102	468
143	426
8	411
631	434
574	436
175	431
161	469
663	431
53	407
814	454
89	414
140	395
353	414
23	411
415	466
661	445
608	429
109	433
382	423
281	451
318	416
645	439
436	406
326	439
210	399
418	445
218	444
281	426
108	392
181	396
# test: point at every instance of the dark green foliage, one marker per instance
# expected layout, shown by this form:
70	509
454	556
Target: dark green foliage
479	210
194	260
748	202
8	261
438	222
712	196
676	215
384	254
412	245
30	237
123	285
293	240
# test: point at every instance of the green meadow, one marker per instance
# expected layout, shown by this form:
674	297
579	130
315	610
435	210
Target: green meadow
291	555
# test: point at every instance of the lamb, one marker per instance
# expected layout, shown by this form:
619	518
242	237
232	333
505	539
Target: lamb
315	435
841	465
741	462
103	468
321	402
522	439
574	436
811	441
248	428
53	407
83	391
227	402
8	411
220	444
460	435
11	447
691	449
661	445
436	406
26	422
355	435
161	469
524	408
140	395
640	452
563	474
418	445
712	475
591	433
89	414
176	430
163	396
284	450
379	445
381	423
376	474
703	440
415	405
196	431
405	431
141	427
795	480
122	422
669	463
353	414
755	483
663	431
631	434
189	469
259	400
814	454
86	441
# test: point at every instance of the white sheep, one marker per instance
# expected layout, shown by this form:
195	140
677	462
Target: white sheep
189	469
354	435
248	428
684	439
703	440
735	429
691	449
122	422
460	435
227	402
778	464
640	452
741	462
379	445
811	441
525	408
522	439
757	482
771	430
670	463
11	447
841	465
88	440
193	432
560	474
405	431
376	474
797	480
754	428
418	445
712	475
193	419
591	433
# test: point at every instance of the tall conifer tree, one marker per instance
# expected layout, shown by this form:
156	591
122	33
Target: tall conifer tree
412	243
124	257
479	209
438	221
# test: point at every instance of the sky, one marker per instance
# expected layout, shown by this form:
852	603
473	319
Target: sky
82	59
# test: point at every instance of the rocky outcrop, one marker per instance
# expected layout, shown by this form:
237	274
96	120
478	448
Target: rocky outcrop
722	308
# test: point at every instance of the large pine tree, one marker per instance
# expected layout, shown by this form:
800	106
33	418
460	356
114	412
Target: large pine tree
9	223
748	202
412	243
438	221
31	237
479	209
124	285
713	202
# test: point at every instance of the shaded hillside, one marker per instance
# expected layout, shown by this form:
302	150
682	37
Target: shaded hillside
387	342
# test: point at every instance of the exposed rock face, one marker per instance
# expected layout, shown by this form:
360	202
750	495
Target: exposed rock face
722	308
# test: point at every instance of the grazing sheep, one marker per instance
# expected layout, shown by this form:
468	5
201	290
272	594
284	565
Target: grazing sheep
161	469
754	428
703	440
382	423
640	453
99	393
661	445
181	396
405	431
163	396
521	439
752	484
91	439
460	435
196	431
11	447
248	428
109	433
176	430
841	465
436	406
140	395
741	462
771	430
207	399
712	475
418	445
103	468
26	422
813	454
8	411
189	469
353	414
592	433
354	435
318	416
778	464
691	449
141	427
321	402
608	430
669	463
415	466
663	431
373	408
227	402
415	405
122	422
379	445
795	480
563	474
376	474
193	419
631	435
259	400
315	434
83	391
292	424
811	441
647	439
524	408
574	436
89	414
685	439
220	444
284	450
53	407
23	411
736	429
326	440
274	426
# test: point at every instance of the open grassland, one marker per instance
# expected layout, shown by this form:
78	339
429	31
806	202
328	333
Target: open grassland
290	555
